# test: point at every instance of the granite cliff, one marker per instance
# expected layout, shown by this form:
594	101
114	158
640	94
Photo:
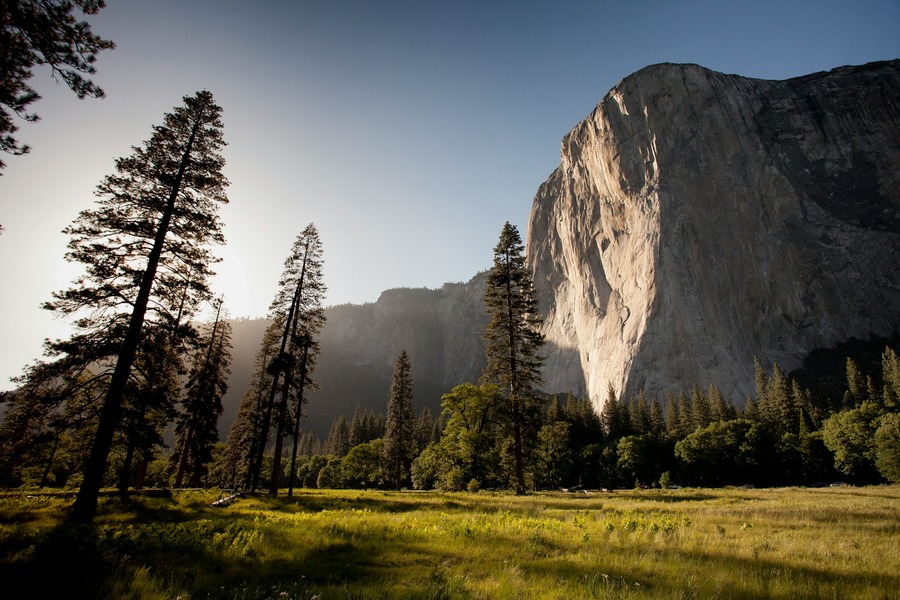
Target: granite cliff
698	219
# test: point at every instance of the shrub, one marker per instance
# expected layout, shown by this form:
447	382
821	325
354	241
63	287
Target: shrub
887	447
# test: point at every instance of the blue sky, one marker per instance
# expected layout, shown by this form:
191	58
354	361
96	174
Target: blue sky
408	132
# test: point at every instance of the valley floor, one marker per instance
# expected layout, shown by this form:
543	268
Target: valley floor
690	543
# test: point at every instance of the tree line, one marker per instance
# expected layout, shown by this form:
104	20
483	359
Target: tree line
782	436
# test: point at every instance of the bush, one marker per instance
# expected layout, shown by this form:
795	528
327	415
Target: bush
331	475
665	480
887	447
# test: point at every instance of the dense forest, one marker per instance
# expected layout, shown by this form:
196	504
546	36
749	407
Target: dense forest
783	436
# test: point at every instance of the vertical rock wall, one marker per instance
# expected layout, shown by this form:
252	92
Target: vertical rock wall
698	219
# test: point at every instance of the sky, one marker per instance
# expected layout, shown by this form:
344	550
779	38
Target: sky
407	131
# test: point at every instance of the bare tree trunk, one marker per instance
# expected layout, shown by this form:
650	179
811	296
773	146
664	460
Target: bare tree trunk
46	475
293	471
141	473
125	471
290	328
270	404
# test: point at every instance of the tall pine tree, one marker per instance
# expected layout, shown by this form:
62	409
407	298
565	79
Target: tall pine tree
513	340
297	308
154	221
399	436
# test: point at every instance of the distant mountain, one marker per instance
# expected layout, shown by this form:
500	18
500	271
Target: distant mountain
440	330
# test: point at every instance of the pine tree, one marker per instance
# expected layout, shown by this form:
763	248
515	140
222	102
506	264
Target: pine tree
149	402
297	307
720	409
338	442
702	408
43	33
762	383
890	370
856	386
197	424
782	414
244	435
40	413
586	426
672	424
513	339
399	437
657	421
424	427
685	415
153	222
751	410
615	416
357	428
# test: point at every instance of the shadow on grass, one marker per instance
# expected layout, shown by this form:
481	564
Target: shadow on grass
65	563
163	557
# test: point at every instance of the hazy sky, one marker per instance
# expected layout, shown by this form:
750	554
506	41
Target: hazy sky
407	131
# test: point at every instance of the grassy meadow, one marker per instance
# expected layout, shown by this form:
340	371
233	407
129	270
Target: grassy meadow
320	544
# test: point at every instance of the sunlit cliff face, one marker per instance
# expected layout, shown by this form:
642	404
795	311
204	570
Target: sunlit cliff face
698	220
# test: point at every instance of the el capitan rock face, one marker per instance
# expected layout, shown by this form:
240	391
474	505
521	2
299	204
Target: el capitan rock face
699	219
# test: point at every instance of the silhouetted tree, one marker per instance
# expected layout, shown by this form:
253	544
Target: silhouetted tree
513	338
43	32
614	416
197	423
144	250
244	435
357	428
149	402
297	307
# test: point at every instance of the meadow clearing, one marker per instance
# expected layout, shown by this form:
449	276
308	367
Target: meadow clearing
841	542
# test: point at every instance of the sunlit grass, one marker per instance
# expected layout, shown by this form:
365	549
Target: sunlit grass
780	543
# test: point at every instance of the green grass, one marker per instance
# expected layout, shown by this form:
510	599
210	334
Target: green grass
690	543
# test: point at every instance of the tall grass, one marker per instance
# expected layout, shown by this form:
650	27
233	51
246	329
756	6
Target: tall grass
733	543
